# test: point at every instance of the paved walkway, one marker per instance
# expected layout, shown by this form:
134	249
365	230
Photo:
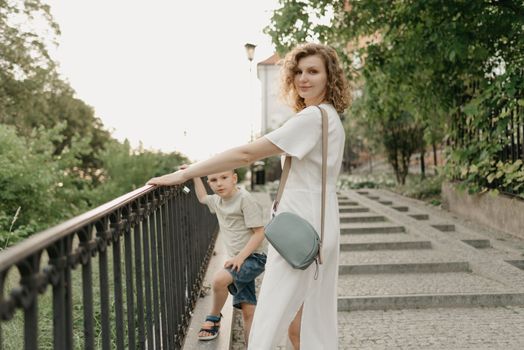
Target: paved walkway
476	328
416	277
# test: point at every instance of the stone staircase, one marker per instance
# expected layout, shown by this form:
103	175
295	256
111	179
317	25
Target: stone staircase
404	267
397	254
414	277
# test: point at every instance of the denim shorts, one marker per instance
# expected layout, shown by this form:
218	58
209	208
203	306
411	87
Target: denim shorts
243	286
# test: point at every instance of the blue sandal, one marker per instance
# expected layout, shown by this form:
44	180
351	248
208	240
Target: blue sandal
212	330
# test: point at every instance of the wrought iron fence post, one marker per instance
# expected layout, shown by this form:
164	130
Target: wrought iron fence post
167	236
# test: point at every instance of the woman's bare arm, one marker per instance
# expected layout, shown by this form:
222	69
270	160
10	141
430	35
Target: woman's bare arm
233	158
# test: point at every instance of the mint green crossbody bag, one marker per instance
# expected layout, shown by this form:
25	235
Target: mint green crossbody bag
293	237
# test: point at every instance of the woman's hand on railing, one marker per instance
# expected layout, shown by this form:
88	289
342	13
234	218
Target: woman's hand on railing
169	179
175	178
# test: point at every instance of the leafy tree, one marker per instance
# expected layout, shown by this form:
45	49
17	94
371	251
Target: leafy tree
124	169
402	138
31	93
23	45
425	56
25	64
37	188
56	158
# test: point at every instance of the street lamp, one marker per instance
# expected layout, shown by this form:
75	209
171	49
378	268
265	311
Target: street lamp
250	51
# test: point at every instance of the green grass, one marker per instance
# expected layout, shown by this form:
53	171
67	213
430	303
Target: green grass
13	330
428	190
375	180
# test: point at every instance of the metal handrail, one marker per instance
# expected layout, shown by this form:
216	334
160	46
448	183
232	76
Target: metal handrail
155	276
40	240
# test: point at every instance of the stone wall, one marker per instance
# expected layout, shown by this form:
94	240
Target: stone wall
499	212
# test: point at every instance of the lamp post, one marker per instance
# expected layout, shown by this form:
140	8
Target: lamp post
250	51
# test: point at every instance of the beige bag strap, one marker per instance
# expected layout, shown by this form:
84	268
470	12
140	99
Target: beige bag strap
285	173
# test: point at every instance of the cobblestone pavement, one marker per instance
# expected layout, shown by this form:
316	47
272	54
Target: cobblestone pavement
392	257
491	270
387	237
413	283
500	328
237	336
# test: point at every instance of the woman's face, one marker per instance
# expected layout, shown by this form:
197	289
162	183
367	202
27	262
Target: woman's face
311	79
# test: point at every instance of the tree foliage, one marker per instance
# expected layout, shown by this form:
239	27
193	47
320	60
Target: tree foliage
422	57
56	158
125	169
37	187
32	95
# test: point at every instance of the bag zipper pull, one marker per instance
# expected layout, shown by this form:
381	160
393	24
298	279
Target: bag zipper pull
316	269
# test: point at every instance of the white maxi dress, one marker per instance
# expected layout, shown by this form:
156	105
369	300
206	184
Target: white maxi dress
283	288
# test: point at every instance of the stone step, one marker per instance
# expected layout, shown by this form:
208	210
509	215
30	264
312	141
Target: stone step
388	257
478	243
347	203
473	328
385	245
396	268
353	210
418	283
363	192
517	263
401	208
370	229
385	202
373	197
379	238
444	227
392	302
419	216
362	218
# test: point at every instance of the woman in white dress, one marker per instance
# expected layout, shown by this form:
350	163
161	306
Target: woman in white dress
290	299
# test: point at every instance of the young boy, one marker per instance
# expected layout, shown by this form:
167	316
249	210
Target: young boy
241	222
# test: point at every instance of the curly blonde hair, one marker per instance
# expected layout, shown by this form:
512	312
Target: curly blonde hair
337	89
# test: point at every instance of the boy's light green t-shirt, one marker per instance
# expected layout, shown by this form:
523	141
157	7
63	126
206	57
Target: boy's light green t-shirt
236	216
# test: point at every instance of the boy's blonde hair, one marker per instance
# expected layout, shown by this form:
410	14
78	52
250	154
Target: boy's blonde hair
337	89
233	172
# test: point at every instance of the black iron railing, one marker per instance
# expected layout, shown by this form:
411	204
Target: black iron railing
510	142
514	141
125	275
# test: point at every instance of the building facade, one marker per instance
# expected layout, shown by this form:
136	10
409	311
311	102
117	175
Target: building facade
273	111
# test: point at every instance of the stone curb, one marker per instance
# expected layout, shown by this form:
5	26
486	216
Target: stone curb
459	266
392	302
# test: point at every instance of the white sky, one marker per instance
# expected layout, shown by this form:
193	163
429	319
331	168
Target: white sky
172	74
